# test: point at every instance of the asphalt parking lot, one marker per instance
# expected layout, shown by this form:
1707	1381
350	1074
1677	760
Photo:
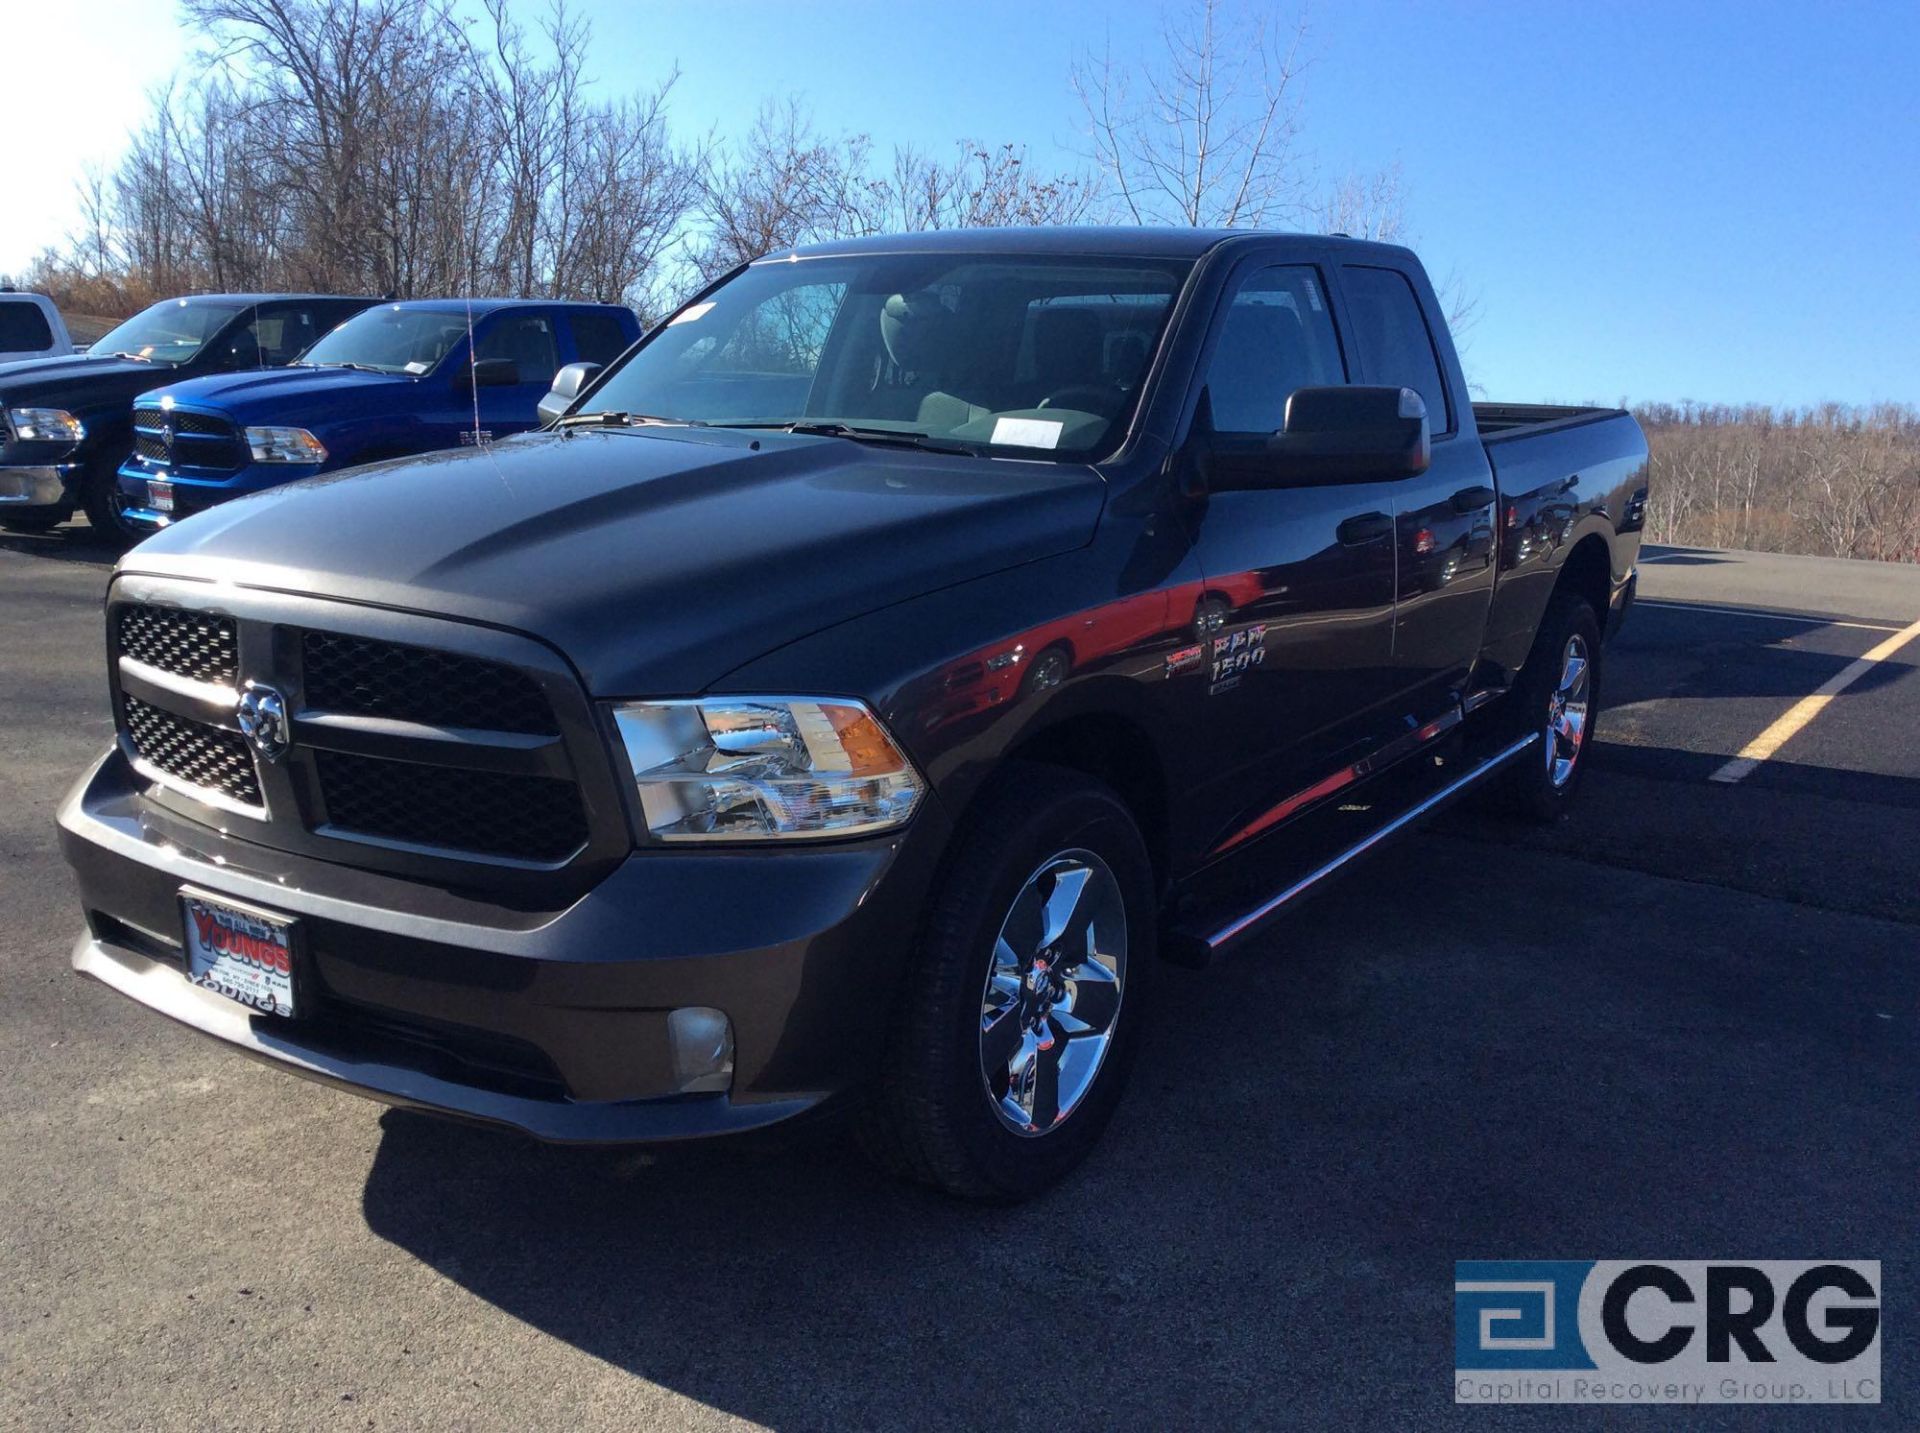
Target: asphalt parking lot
1682	1025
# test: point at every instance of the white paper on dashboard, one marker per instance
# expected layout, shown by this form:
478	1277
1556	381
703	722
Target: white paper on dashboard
1028	432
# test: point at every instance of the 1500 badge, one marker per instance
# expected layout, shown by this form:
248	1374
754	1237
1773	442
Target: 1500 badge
1230	655
1234	653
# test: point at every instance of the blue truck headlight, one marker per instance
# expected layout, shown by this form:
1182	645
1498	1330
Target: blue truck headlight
285	445
45	425
765	768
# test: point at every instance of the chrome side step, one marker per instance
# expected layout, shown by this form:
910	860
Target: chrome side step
1193	948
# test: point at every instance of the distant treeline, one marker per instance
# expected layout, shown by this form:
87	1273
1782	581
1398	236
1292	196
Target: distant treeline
1834	480
425	147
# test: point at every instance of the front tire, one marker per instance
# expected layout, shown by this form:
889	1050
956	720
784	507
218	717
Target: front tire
1019	1018
1558	696
100	496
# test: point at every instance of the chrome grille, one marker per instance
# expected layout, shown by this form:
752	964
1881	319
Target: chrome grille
208	757
199	645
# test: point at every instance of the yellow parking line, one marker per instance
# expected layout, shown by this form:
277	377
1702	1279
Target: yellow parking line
1763	746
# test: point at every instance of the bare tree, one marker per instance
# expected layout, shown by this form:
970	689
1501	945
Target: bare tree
1204	135
1832	480
1367	206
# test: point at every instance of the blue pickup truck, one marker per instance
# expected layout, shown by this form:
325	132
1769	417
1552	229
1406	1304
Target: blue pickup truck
397	379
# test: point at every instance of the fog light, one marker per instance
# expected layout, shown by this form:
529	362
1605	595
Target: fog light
702	1040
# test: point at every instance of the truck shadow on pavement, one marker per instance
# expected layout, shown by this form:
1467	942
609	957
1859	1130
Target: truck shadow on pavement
1440	1060
59	546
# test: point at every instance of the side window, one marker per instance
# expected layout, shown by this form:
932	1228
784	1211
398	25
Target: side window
1393	338
525	341
1277	336
23	328
280	333
597	336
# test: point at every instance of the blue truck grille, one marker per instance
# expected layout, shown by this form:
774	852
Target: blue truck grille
176	438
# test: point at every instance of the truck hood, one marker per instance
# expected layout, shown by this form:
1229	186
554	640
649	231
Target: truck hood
656	559
302	396
77	379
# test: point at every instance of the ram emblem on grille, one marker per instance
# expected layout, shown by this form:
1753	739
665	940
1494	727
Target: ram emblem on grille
263	720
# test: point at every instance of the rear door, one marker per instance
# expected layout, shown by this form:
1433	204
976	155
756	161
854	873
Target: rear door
1444	519
1295	617
598	335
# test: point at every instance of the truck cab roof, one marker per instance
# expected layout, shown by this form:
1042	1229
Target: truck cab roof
1066	241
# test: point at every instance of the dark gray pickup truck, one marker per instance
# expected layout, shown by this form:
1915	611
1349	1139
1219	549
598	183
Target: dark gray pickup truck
854	695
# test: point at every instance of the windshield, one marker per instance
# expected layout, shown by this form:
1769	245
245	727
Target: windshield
389	340
169	332
1043	356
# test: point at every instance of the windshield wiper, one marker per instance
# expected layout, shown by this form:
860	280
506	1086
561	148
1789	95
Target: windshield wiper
625	420
138	358
358	367
926	442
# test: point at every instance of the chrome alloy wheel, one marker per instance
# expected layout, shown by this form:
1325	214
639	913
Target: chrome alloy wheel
1567	711
1052	997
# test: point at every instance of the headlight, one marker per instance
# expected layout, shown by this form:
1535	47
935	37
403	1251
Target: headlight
46	425
285	445
761	768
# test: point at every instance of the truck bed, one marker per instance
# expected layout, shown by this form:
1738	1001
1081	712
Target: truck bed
1499	421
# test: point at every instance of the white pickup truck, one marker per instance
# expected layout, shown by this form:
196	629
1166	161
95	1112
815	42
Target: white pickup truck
31	327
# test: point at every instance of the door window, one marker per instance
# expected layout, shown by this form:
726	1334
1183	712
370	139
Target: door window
278	334
525	341
1393	338
1277	336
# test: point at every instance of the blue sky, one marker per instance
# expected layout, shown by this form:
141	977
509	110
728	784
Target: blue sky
1684	200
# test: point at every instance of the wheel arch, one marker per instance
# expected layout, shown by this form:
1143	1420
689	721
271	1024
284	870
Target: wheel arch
1587	572
1116	750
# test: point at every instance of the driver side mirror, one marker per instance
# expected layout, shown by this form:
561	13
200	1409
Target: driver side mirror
567	385
1348	434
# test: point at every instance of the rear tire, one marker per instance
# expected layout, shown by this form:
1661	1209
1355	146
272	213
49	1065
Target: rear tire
1557	696
1021	1010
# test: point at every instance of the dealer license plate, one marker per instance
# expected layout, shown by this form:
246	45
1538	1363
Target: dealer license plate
160	494
239	952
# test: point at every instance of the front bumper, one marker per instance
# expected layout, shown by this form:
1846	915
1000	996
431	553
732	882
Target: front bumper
195	492
549	1022
35	487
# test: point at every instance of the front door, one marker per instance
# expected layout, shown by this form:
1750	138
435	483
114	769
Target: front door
1295	613
526	340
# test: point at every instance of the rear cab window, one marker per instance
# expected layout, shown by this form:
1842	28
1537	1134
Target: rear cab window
597	335
1395	344
23	328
